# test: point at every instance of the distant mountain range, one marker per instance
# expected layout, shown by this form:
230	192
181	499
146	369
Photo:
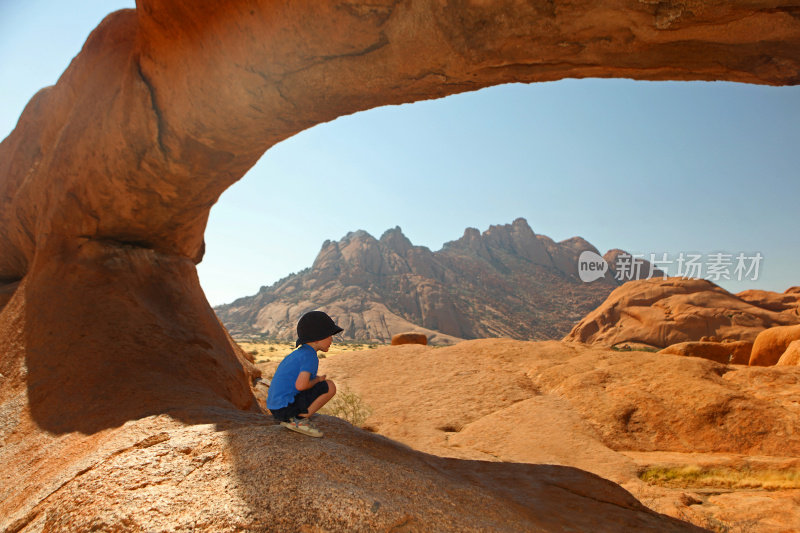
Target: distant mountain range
504	282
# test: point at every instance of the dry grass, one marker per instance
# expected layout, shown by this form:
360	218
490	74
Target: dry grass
269	351
694	476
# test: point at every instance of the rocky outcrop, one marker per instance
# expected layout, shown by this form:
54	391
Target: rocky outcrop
791	357
505	282
107	181
627	401
409	338
233	471
774	301
607	412
734	352
661	312
772	343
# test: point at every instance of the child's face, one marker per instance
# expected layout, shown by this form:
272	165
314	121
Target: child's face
325	344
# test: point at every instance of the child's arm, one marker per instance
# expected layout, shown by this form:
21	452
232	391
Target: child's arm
304	381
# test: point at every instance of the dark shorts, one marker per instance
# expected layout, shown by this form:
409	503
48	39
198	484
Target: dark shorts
301	402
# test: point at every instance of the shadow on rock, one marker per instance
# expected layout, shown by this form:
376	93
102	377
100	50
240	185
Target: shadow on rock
112	333
355	480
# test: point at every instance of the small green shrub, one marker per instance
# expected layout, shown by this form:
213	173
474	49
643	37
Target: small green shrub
348	406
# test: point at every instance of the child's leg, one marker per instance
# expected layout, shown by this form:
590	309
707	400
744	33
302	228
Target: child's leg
317	404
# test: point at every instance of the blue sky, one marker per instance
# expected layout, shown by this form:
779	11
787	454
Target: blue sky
649	167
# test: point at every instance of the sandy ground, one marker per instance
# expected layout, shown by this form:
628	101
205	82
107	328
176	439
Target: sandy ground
275	351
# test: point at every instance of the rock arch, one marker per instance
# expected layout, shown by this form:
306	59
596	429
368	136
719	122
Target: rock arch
107	181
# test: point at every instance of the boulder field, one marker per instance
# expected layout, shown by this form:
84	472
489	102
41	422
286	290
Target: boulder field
663	312
770	344
696	318
117	379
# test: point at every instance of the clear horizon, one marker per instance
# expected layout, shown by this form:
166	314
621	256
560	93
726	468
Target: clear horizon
649	167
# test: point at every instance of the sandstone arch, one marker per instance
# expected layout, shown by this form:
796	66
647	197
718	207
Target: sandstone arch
108	178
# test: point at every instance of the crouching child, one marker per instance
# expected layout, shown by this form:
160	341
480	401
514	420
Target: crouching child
296	391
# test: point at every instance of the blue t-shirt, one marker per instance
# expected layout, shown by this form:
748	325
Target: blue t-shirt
282	390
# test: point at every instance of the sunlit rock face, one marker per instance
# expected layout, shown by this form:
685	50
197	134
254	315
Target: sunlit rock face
661	312
107	181
771	344
791	356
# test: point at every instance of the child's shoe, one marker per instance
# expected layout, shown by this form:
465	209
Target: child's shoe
302	425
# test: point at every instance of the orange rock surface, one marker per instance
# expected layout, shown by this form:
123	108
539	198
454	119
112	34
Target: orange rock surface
607	412
772	343
774	301
662	312
234	471
409	338
630	400
106	185
791	357
735	353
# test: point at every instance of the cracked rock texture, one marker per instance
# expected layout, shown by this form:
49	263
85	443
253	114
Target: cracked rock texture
107	181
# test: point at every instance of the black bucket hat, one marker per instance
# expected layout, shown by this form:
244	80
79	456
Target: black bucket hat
315	326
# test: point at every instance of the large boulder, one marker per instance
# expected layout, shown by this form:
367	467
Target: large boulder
770	344
774	301
234	471
409	338
662	312
791	357
734	353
